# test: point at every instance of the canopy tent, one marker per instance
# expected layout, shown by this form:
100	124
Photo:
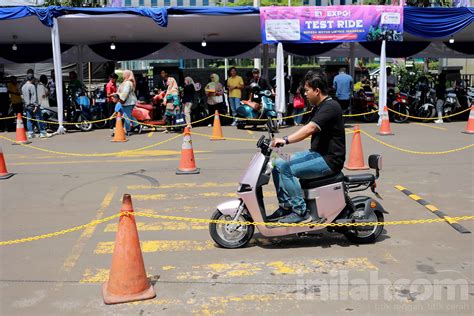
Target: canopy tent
79	34
430	28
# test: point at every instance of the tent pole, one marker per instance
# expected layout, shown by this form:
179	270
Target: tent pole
90	75
58	74
352	60
226	68
257	62
80	63
382	83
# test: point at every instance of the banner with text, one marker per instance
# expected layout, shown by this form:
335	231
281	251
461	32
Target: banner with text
331	24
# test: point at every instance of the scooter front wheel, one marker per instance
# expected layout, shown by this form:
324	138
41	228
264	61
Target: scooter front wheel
230	235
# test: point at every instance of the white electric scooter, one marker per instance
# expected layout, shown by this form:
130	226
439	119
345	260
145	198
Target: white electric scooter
325	197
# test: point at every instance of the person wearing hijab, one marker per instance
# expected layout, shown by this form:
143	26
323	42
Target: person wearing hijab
172	101
188	98
214	92
128	98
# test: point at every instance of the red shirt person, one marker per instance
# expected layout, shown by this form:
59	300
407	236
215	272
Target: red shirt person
111	89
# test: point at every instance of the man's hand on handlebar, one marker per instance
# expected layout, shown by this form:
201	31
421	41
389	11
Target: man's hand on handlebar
278	142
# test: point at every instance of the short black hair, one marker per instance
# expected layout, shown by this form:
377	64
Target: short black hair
316	80
113	76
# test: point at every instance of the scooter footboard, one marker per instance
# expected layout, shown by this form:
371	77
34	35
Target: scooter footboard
230	207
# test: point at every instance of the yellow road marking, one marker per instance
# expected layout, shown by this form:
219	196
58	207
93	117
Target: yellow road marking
183	185
92	161
78	248
449	219
151	153
399	187
432	208
249	269
415	197
177	196
436	127
167	226
160	245
250	132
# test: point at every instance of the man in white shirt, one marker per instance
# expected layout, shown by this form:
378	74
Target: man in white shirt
32	107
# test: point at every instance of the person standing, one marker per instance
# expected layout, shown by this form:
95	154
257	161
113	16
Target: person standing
4	102
392	80
32	107
235	84
214	92
75	85
163	81
43	92
440	88
52	90
189	92
15	96
128	98
343	84
110	90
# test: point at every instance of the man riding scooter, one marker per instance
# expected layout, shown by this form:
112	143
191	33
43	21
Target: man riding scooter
326	155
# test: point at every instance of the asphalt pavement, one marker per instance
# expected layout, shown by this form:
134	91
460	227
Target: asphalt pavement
412	269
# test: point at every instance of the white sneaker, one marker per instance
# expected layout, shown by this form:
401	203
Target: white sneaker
31	136
440	121
233	123
45	135
210	125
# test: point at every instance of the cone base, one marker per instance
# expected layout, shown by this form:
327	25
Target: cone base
119	141
117	299
217	138
385	134
193	171
6	176
468	132
357	168
21	142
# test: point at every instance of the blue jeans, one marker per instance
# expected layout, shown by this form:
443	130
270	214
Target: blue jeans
234	104
302	165
29	123
298	119
127	111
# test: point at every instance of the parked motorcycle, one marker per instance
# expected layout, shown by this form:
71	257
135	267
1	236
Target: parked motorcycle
399	103
457	100
260	106
73	113
422	102
97	111
364	102
326	197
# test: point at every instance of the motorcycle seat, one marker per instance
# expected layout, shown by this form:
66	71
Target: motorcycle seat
319	182
148	107
359	178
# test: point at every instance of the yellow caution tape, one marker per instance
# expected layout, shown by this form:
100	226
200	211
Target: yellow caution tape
91	155
211	221
417	152
429	118
7	117
69	123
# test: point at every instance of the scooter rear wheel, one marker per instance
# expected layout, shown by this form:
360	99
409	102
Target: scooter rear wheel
369	235
227	236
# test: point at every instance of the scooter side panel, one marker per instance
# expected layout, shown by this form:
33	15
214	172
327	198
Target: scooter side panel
330	200
250	177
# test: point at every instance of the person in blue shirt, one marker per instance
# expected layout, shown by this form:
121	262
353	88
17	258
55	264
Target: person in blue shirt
343	85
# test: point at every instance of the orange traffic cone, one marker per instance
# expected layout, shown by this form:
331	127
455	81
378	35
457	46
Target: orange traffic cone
217	129
4	174
385	127
187	165
356	156
470	122
127	279
119	134
20	131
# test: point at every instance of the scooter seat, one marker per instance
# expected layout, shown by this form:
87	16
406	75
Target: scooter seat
359	178
319	182
148	107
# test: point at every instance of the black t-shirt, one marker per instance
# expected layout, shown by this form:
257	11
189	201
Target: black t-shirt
330	141
188	93
263	83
